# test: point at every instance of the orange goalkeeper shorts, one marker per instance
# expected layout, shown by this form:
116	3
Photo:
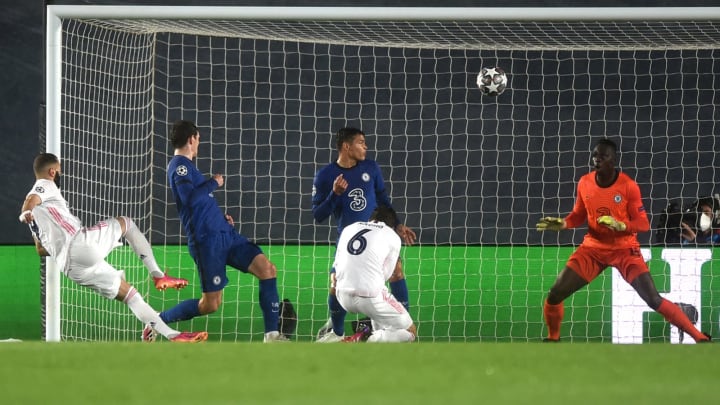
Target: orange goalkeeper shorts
588	263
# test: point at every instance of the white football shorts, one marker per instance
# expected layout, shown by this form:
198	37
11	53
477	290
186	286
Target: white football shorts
384	310
86	263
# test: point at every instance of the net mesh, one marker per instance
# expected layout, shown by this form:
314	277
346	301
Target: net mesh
471	174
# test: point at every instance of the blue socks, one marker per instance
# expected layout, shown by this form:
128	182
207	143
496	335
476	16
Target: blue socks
337	314
400	291
183	311
270	304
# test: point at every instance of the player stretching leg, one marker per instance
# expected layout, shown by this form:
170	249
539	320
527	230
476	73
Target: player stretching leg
213	241
81	251
610	201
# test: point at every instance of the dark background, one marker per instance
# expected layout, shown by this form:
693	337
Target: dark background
22	93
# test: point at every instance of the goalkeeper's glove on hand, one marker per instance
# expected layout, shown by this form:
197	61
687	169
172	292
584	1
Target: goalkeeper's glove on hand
550	223
612	223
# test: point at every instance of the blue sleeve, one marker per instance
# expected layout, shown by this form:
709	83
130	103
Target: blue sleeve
187	192
381	194
324	200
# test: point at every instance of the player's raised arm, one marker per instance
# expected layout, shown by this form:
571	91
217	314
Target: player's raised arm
325	195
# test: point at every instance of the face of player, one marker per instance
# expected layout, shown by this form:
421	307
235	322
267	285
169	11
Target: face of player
54	173
194	144
357	149
603	159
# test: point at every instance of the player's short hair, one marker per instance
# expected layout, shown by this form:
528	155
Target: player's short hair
609	143
346	135
181	133
43	160
385	214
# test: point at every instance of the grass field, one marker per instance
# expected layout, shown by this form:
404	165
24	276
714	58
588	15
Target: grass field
308	373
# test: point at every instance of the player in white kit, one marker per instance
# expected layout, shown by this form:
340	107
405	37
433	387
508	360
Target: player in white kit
80	252
366	257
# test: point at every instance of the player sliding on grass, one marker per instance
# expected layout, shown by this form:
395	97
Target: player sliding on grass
365	259
213	241
350	189
610	201
80	252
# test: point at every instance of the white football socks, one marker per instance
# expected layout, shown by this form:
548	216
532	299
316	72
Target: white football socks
141	247
147	315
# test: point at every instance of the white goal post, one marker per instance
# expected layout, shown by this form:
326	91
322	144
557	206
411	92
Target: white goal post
471	174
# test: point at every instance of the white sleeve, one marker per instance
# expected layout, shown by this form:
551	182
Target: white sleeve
393	254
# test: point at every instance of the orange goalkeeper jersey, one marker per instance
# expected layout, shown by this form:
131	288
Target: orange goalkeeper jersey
621	200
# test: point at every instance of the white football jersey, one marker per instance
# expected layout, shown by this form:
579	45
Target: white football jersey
366	255
54	226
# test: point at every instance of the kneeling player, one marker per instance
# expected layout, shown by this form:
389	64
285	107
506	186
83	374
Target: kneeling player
366	257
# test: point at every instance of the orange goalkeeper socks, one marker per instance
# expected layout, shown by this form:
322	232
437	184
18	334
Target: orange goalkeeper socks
677	317
553	317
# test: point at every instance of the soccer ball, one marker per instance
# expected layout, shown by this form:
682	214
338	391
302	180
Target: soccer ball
492	81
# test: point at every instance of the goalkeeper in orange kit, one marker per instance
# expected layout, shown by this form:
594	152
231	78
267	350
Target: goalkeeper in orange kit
610	201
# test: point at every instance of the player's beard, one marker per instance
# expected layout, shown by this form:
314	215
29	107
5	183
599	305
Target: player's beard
56	179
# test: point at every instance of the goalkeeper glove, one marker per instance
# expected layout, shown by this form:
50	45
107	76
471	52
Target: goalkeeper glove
611	223
550	223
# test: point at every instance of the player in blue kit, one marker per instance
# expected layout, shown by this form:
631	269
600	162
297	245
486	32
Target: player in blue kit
213	241
350	189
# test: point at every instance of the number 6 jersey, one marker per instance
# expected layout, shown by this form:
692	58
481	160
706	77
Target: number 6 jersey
365	258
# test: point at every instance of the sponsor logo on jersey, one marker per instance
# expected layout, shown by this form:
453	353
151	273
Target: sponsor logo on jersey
358	201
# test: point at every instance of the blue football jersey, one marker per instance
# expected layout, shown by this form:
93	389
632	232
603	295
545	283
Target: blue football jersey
365	191
193	193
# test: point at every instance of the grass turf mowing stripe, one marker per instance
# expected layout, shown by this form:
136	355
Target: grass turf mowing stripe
297	373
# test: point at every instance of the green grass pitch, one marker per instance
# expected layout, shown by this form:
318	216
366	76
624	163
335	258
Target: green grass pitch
309	373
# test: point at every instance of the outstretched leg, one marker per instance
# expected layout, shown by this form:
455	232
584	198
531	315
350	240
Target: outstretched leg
645	287
142	249
148	316
140	245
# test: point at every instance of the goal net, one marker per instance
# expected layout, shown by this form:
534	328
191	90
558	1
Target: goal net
471	174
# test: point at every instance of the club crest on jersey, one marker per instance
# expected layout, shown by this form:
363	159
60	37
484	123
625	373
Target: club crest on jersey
216	280
181	170
617	198
365	177
40	189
